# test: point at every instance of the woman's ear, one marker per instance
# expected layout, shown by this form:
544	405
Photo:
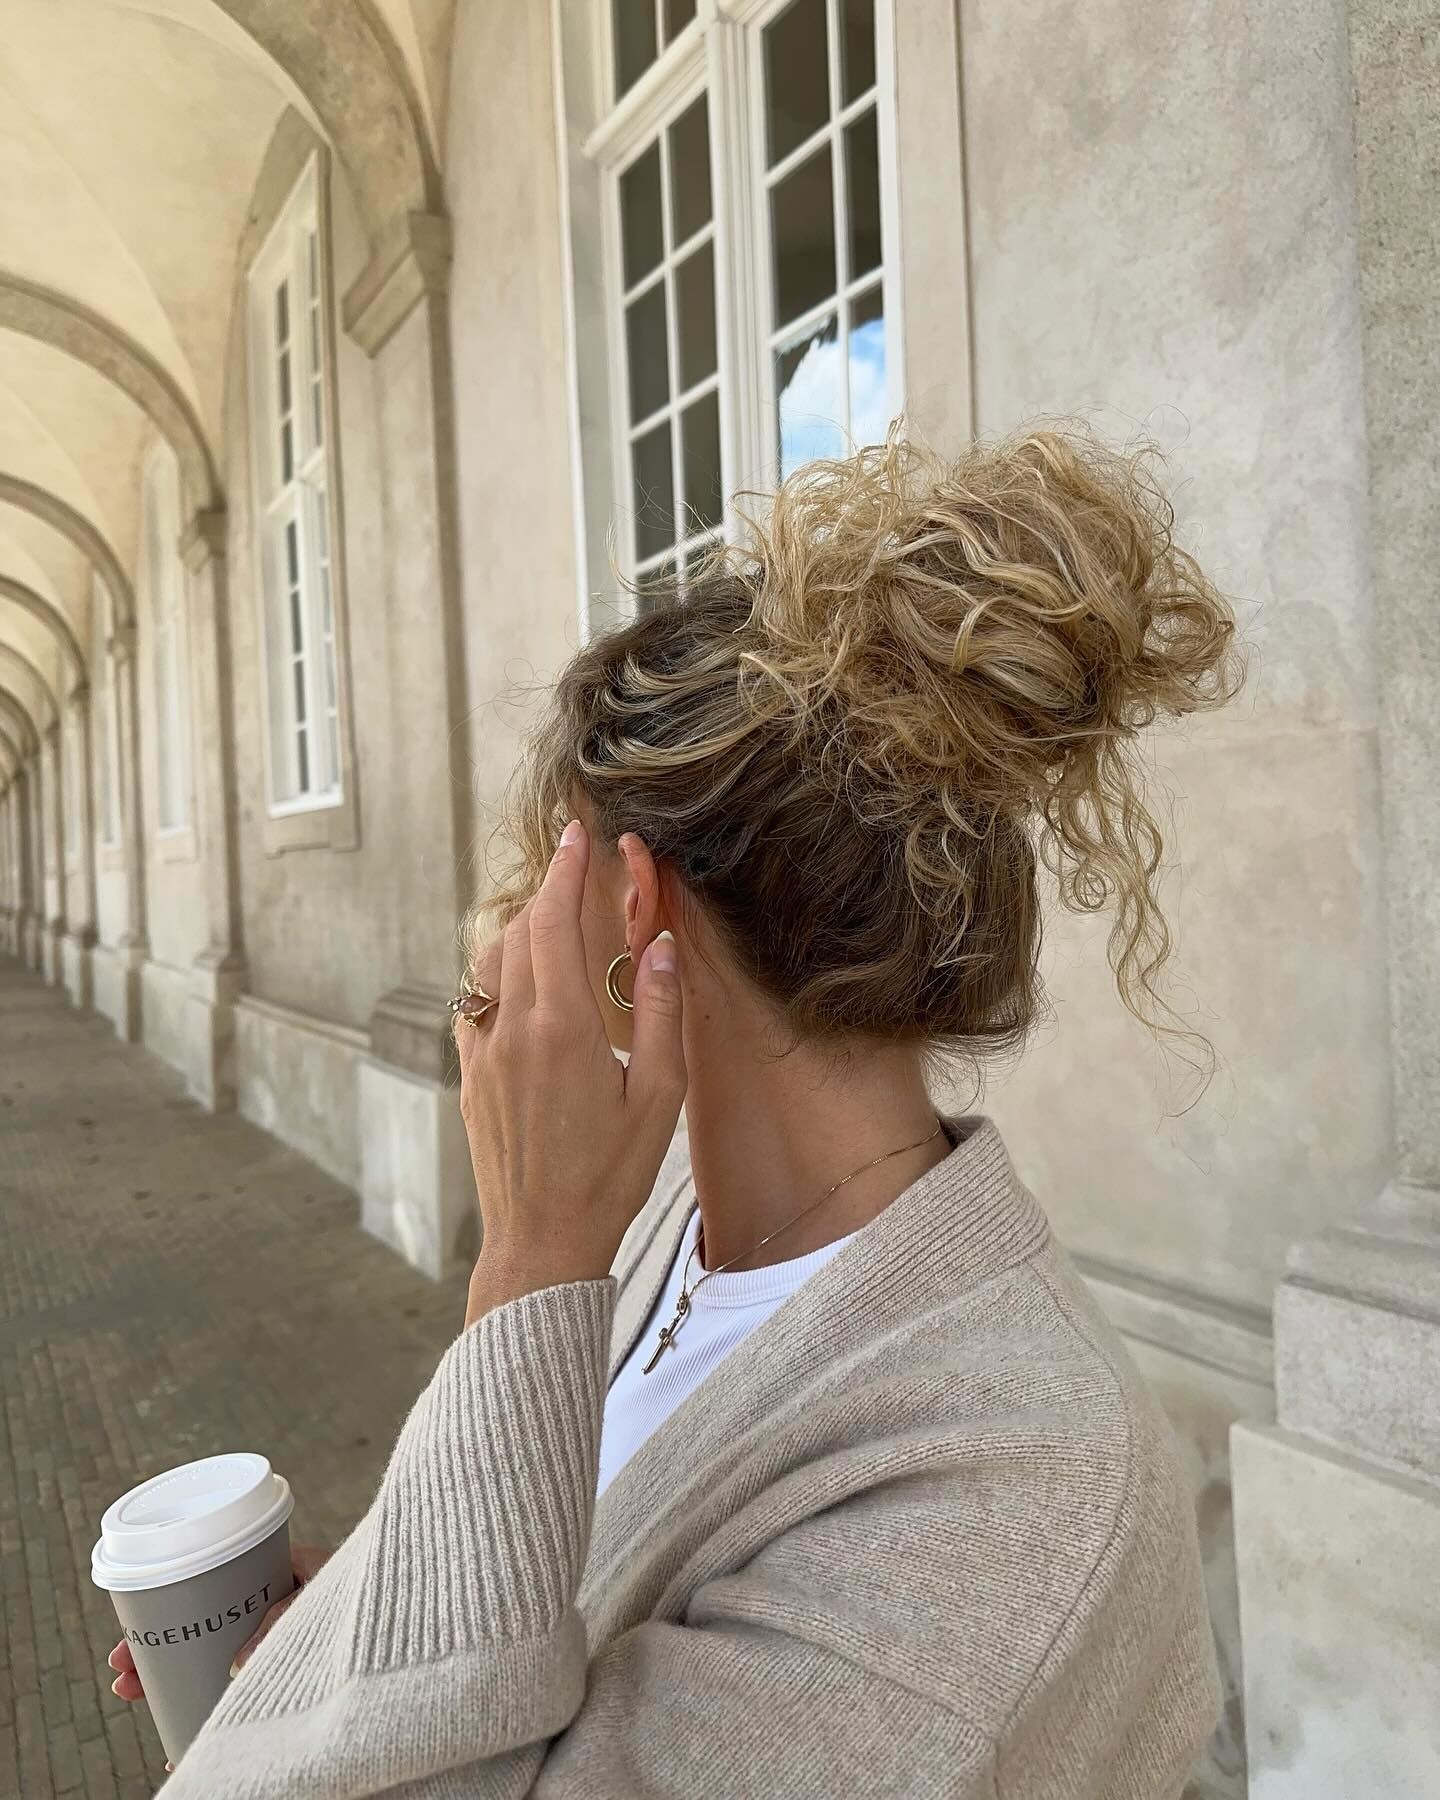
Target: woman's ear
644	902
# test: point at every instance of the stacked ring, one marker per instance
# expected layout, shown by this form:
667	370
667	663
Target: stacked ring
461	1006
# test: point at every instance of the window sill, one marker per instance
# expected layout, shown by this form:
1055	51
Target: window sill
321	825
177	846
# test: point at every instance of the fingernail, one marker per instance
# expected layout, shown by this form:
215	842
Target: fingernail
235	1668
662	952
570	833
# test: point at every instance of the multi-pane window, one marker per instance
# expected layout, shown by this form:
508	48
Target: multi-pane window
671	352
164	585
288	388
743	160
823	228
641	29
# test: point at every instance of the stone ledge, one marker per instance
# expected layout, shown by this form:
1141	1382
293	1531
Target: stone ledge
1233	1339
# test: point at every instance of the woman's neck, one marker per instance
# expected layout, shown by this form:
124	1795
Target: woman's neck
769	1136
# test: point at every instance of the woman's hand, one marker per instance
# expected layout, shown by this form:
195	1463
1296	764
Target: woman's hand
565	1140
306	1561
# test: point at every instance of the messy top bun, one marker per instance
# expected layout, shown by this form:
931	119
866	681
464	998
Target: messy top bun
854	735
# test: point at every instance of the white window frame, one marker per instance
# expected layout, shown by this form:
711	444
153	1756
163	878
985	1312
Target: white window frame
304	758
163	582
719	53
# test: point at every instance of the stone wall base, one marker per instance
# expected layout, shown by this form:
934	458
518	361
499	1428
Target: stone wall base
76	969
1339	1569
116	977
217	979
165	1005
298	1077
52	952
417	1192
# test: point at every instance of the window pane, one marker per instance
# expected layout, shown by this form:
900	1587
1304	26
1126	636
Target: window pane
857	48
640	215
700	462
869	400
678	14
282	313
645	328
862	184
802	227
695	305
287	451
808	388
654	489
797	79
302	758
299	671
690	172
292	558
634	25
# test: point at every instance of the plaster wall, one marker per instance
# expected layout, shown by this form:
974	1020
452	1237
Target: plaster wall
1162	234
320	927
516	495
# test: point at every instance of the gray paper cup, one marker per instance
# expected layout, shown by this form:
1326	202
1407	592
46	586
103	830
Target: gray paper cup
193	1559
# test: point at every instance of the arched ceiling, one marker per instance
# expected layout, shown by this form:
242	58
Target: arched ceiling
131	135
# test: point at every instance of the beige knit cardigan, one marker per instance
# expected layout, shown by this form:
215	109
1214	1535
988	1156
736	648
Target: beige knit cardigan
922	1533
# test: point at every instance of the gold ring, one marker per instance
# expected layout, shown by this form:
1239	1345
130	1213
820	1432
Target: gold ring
459	1003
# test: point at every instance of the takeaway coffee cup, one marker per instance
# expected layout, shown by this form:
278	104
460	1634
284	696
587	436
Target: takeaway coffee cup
193	1559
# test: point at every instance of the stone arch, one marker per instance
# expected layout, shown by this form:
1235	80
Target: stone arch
51	617
60	516
342	57
7	743
54	319
33	670
12	707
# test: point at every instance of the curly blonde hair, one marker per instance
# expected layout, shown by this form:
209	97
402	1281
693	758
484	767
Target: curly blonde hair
856	735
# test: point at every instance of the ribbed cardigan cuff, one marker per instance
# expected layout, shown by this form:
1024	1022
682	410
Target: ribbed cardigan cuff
477	1537
485	1510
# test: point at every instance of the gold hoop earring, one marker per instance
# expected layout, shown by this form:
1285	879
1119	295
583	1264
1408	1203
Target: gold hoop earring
612	985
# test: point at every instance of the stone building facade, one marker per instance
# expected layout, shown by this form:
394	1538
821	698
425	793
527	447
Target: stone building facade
349	349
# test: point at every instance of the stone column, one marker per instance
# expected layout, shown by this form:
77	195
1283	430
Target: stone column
217	976
1338	1506
35	845
416	1186
133	948
8	899
53	853
80	939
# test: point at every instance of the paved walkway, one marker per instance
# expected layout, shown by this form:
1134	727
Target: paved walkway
171	1284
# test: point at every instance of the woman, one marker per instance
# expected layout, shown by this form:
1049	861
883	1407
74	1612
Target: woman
883	1506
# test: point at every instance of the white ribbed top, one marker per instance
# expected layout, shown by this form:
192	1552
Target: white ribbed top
723	1312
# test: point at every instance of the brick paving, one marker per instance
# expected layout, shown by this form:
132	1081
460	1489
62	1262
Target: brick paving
172	1284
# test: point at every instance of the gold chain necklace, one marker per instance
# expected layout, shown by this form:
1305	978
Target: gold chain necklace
682	1305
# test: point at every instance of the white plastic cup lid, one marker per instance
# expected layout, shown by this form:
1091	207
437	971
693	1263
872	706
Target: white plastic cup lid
189	1520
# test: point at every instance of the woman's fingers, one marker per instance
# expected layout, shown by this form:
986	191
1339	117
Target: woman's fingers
126	1685
267	1625
557	945
656	1078
306	1562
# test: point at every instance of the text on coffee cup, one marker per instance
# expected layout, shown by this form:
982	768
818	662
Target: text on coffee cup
178	1634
